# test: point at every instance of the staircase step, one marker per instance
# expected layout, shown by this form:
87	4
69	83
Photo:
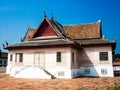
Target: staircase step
32	72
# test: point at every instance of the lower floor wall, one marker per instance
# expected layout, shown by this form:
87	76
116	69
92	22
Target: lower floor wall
98	71
23	71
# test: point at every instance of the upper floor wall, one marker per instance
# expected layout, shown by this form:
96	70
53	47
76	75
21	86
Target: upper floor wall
31	57
97	55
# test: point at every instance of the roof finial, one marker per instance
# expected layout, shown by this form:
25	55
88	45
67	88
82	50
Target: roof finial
21	39
28	26
7	43
100	20
3	45
44	14
51	15
103	37
116	38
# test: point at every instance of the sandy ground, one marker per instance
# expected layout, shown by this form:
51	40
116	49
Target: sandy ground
82	83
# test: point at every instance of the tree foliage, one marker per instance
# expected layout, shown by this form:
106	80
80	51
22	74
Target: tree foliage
115	56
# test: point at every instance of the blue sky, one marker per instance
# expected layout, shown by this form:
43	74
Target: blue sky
17	15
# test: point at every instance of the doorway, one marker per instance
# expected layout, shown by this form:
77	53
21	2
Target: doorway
39	59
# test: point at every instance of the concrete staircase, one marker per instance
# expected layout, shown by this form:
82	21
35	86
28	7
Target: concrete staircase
30	71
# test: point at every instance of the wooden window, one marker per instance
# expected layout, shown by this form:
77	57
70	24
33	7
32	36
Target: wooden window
103	56
103	71
11	57
87	71
58	57
19	57
72	57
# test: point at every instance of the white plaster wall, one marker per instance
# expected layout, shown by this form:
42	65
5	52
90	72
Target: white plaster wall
75	73
93	54
53	67
32	72
28	58
96	71
50	61
55	71
77	57
10	63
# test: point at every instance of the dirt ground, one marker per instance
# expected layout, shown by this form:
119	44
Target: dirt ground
82	83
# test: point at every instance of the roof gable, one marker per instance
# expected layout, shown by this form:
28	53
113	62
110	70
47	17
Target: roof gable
29	34
45	29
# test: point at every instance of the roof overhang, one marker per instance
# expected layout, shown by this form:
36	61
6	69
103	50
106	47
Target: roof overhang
44	44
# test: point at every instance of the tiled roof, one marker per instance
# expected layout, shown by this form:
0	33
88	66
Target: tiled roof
81	34
58	26
94	41
80	31
83	31
41	43
91	42
29	34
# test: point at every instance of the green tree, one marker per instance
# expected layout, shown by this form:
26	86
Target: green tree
115	56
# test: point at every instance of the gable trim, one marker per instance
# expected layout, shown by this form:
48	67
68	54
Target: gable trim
45	18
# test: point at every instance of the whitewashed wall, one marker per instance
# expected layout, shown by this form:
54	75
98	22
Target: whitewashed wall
67	69
50	61
92	53
96	71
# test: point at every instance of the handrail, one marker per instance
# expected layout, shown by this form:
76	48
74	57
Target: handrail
52	76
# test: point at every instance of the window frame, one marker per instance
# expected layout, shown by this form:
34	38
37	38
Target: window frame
19	57
86	71
73	57
11	57
103	56
58	57
104	71
61	73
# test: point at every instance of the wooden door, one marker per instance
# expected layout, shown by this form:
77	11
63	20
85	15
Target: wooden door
42	60
39	59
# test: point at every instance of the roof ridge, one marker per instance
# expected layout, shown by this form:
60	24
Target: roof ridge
58	26
32	28
99	21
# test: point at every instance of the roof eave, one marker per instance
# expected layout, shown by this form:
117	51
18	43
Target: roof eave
42	46
113	44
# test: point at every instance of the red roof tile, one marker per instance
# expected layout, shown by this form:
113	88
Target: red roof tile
116	62
29	34
83	31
